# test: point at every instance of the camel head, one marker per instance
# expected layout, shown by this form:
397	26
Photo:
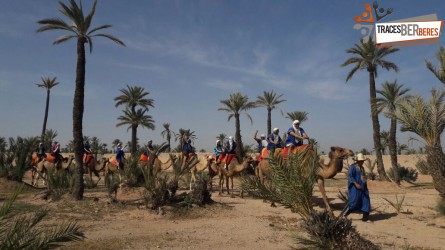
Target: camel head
340	153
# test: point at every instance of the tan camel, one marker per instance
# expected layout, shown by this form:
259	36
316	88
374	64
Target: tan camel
234	168
213	170
325	171
42	168
158	165
198	167
93	166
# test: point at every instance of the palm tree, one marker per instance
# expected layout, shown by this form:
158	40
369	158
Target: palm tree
384	136
134	120
439	73
48	84
298	115
81	30
401	147
221	137
134	96
182	134
367	56
131	98
49	137
235	105
427	120
391	96
167	133
270	100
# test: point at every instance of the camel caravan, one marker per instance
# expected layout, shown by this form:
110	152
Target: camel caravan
225	165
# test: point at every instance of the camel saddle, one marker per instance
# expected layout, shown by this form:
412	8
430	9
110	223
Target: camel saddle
50	158
295	150
87	159
144	158
229	158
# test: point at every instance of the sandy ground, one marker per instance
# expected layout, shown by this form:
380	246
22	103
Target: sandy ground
241	223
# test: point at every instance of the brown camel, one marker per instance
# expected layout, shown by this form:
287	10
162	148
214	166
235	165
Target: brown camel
234	168
42	168
325	171
195	166
93	166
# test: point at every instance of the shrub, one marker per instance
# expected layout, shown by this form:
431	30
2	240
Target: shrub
59	183
200	194
18	157
112	183
422	166
327	232
23	232
132	173
405	174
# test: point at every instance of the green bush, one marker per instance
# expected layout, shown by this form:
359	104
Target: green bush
18	159
422	166
406	174
327	232
59	183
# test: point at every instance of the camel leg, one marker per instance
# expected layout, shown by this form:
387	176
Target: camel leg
232	194
227	185
192	180
320	182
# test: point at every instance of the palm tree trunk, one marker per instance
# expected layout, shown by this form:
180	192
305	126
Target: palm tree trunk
392	145
45	119
239	143
168	141
269	121
134	131
376	128
436	167
78	108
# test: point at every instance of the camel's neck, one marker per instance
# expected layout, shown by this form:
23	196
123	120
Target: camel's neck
241	167
334	166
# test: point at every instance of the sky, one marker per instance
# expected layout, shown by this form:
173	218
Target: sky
189	55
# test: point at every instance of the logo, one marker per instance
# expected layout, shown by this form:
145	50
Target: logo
404	32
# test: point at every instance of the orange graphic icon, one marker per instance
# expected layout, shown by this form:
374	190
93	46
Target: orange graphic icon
366	14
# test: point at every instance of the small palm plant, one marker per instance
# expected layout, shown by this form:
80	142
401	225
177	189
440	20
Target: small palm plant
22	231
397	205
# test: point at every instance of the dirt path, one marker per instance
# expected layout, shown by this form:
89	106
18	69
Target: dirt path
236	223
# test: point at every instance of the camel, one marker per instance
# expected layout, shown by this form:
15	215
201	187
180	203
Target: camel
93	166
213	170
158	165
194	170
325	171
234	168
42	167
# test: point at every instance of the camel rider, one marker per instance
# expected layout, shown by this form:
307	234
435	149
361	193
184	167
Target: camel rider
219	151
262	143
187	148
120	156
230	150
41	152
87	153
55	152
295	136
274	141
149	149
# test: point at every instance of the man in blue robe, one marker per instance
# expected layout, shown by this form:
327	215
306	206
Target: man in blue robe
358	189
